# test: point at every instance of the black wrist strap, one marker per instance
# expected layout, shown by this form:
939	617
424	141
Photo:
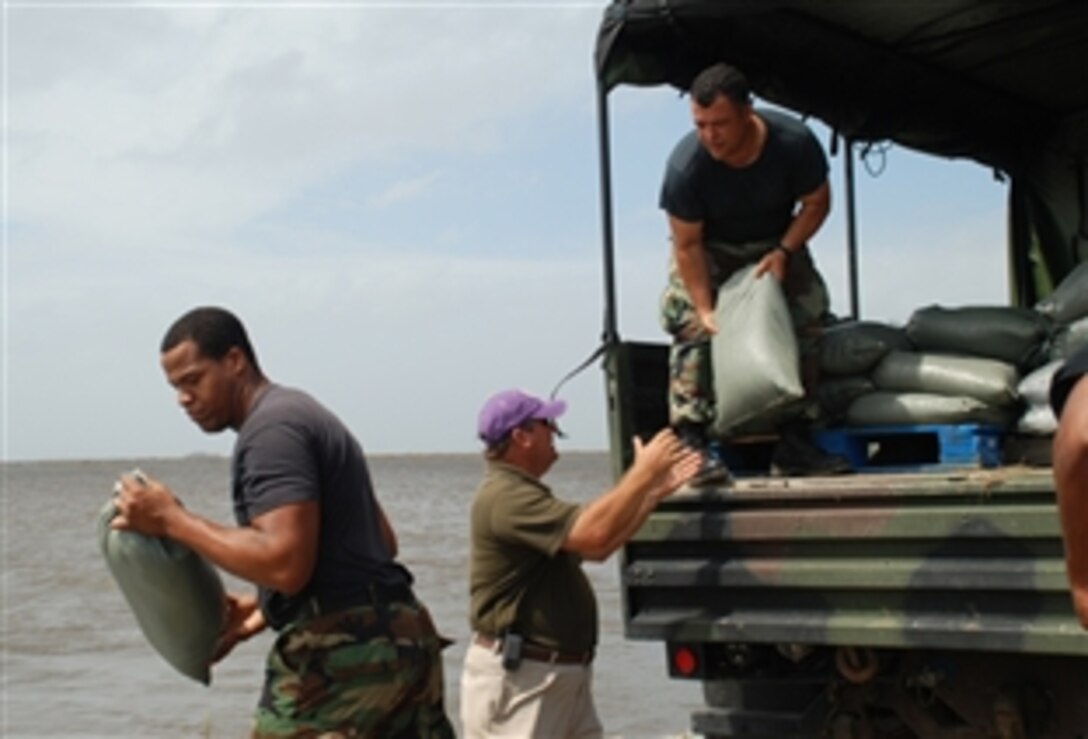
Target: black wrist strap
785	250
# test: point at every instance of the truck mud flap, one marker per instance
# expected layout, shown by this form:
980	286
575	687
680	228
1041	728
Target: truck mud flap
809	721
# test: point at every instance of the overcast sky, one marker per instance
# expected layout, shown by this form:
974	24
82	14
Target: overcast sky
399	199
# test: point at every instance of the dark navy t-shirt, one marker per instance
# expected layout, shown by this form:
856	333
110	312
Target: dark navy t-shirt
753	203
291	449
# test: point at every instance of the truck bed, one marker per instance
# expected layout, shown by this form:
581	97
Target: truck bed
965	559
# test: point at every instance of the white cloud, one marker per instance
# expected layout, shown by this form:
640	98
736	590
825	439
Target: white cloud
221	116
403	190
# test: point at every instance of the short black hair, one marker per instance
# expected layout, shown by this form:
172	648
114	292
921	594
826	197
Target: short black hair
721	79
214	331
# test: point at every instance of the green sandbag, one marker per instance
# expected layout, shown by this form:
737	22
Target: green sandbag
177	598
894	409
989	380
855	347
835	394
1068	338
1069	301
754	354
1035	387
1038	420
1008	333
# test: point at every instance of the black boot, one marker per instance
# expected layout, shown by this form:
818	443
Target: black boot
796	456
712	471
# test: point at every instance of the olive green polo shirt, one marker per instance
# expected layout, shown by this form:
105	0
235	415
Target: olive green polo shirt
519	578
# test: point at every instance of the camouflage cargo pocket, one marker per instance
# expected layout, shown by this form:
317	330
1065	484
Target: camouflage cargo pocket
362	672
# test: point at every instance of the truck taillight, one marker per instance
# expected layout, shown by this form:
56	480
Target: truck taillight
684	661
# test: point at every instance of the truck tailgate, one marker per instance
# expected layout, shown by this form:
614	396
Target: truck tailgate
960	560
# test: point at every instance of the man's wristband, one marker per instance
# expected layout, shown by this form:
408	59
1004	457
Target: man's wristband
785	250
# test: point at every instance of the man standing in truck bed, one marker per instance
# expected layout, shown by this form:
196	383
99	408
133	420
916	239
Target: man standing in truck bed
745	187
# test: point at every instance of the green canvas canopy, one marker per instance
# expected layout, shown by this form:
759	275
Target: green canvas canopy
1004	84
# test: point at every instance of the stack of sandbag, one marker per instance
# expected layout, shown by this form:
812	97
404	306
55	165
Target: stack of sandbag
947	366
927	387
1067	308
849	352
966	367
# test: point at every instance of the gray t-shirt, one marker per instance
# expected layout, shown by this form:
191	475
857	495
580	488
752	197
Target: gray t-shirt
292	449
753	203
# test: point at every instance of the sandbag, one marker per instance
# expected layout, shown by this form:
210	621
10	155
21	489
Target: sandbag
1035	387
1067	338
1038	420
1014	335
855	347
835	394
754	354
1069	301
989	380
890	408
178	599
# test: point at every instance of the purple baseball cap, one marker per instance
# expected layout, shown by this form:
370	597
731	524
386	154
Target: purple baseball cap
503	412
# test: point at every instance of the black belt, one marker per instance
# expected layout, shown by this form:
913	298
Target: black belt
536	653
374	595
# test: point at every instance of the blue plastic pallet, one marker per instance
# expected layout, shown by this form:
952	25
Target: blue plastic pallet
918	447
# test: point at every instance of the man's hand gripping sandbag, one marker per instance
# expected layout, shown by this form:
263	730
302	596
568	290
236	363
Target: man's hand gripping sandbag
177	598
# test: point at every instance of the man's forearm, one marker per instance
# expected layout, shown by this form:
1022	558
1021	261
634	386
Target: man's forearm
236	550
692	268
605	523
246	552
808	219
645	507
610	514
804	226
689	254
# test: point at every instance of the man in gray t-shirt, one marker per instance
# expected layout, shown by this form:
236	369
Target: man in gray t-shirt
313	539
745	187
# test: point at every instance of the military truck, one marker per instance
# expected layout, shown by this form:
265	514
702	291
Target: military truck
918	603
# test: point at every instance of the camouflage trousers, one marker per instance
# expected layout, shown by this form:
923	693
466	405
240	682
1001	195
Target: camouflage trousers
691	391
366	671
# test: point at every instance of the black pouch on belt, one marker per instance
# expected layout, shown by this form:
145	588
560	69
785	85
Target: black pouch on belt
511	652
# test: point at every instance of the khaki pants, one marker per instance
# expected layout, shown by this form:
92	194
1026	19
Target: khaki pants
537	700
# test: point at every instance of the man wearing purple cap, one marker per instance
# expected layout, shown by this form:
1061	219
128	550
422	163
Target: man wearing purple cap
528	669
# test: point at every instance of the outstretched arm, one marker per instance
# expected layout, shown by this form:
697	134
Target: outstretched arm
277	550
660	468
